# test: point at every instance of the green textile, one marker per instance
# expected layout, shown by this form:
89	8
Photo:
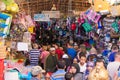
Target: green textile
87	27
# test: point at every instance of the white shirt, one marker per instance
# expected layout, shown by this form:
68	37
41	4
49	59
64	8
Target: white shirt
113	68
82	67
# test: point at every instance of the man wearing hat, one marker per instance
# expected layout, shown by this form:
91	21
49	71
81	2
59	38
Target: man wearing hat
36	72
51	61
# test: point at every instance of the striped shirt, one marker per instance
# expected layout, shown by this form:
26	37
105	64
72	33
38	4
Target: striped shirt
34	57
58	75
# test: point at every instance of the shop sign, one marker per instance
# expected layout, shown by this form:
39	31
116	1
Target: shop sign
21	46
41	17
52	14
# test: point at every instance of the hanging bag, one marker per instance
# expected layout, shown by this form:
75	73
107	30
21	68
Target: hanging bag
115	25
93	16
87	27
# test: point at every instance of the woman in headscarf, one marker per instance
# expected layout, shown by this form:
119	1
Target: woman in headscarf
75	70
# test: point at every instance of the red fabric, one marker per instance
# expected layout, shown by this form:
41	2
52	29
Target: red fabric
73	26
1	66
59	52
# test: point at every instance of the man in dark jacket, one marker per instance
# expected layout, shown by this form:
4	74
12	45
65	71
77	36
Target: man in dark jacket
51	61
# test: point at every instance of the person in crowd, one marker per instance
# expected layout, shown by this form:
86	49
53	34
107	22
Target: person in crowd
82	49
48	75
117	75
75	60
114	36
75	70
60	73
75	46
37	73
58	51
92	57
51	61
69	76
114	50
71	51
82	63
67	59
89	68
34	55
98	73
112	67
100	62
93	51
43	55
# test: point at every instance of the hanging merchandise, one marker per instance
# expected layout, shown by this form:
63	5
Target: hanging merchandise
91	1
107	21
87	26
27	37
73	27
3	52
115	25
99	26
5	22
115	10
2	41
11	6
2	6
113	2
31	29
93	16
101	6
17	30
1	69
29	21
